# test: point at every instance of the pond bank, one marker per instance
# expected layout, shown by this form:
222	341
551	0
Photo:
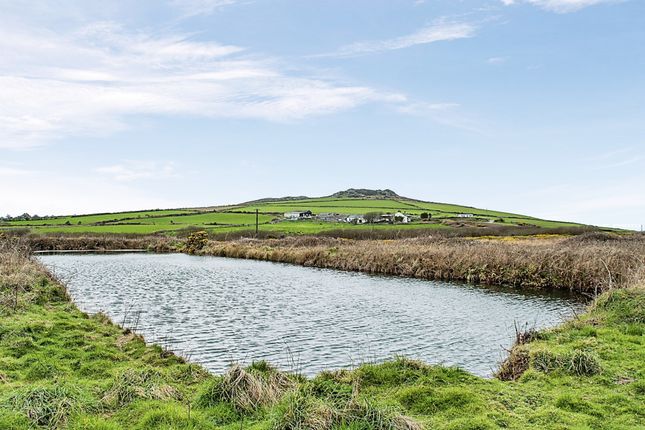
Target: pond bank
589	263
586	264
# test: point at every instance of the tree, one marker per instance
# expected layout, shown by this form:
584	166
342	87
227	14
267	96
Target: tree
372	217
424	215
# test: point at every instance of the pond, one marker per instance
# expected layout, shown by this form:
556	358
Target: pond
217	310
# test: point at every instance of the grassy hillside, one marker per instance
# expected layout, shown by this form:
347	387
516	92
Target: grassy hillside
60	368
242	217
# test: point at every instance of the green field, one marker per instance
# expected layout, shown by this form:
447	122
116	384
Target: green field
242	218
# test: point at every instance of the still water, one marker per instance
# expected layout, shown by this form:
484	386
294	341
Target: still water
218	310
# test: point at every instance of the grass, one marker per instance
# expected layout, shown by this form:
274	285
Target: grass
61	368
241	217
98	218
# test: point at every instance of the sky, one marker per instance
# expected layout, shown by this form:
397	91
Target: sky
528	106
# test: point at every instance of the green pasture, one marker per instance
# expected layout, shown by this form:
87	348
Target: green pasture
242	217
100	218
212	218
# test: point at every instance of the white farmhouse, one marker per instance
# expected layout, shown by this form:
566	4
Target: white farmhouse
297	215
402	218
465	215
355	219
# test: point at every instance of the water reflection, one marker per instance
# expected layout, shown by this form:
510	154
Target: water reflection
216	310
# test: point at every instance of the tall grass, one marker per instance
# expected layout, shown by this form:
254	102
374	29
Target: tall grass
49	406
22	279
247	389
91	242
587	263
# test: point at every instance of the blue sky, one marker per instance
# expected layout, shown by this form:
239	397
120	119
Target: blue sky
530	106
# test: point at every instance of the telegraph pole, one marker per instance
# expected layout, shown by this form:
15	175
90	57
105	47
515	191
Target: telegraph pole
257	222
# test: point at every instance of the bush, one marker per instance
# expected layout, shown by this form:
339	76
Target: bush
196	242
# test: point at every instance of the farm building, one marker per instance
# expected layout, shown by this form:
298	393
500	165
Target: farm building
355	219
465	215
298	215
402	218
330	217
398	217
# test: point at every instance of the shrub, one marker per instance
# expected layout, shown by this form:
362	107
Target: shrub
196	242
515	364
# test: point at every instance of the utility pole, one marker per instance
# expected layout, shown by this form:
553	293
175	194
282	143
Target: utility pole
257	221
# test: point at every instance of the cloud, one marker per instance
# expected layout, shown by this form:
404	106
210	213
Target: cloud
91	81
441	30
200	7
496	60
560	6
446	114
615	158
132	170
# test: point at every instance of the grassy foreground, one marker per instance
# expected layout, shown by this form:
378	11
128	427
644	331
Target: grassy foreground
60	368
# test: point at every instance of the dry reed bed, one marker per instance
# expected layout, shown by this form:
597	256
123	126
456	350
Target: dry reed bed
39	242
23	279
588	263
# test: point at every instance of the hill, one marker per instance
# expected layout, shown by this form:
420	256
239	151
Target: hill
329	213
362	193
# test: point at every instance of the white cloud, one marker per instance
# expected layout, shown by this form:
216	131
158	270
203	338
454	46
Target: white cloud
131	170
447	114
615	158
496	60
439	31
90	81
200	7
560	6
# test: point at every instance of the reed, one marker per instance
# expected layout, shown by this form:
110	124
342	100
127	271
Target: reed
589	263
22	279
94	242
